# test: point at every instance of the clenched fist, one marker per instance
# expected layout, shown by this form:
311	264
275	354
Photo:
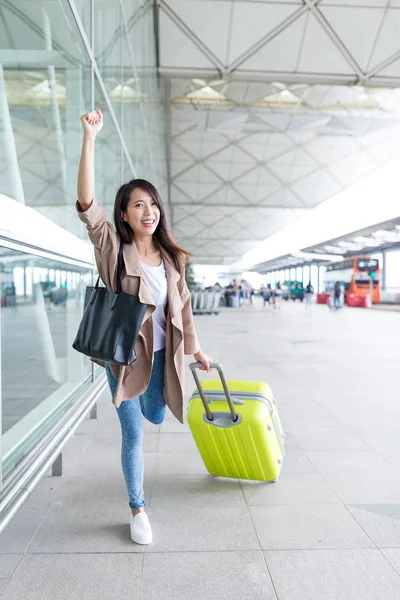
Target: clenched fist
92	122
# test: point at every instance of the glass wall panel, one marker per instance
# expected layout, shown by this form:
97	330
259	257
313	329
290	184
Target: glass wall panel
136	102
108	51
41	307
144	108
110	159
44	86
84	8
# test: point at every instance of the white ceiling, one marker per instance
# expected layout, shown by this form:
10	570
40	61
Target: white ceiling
274	107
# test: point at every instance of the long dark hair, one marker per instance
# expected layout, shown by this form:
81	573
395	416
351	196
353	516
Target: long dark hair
162	234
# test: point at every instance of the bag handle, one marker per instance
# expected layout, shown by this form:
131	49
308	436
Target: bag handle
120	266
197	365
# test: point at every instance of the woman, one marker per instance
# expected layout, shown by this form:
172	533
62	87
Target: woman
309	293
278	295
155	271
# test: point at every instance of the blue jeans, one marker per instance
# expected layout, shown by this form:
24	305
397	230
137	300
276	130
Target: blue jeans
337	302
151	405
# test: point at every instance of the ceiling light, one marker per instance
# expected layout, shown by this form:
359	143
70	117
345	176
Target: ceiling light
217	82
42	92
206	93
127	93
366	241
332	249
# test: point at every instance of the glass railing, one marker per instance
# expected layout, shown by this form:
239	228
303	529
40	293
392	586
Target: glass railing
41	299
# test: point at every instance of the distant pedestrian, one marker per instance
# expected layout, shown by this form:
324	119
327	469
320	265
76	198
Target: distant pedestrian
11	296
246	292
266	293
337	296
309	293
278	296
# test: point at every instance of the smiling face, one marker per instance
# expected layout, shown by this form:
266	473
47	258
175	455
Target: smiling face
142	213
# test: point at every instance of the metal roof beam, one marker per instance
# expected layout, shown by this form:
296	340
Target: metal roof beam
175	18
247	76
246	206
385	225
335	39
32	59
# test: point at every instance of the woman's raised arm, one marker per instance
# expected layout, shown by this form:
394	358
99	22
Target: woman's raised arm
101	232
92	123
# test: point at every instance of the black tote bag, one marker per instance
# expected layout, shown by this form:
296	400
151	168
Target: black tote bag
110	323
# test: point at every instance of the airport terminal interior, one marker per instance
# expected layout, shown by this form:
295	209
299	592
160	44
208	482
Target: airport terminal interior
271	130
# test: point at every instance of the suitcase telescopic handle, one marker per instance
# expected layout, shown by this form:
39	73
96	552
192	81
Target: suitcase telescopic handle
197	365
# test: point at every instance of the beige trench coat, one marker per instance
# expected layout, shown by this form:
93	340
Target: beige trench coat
181	337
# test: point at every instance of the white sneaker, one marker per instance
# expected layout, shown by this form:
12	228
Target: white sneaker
141	532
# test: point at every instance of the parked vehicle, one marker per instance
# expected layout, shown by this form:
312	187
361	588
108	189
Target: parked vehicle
293	290
359	275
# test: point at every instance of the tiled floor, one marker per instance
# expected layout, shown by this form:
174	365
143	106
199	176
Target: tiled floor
329	529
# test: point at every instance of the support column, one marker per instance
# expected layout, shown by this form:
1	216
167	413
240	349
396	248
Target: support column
45	341
383	270
12	186
76	369
54	103
25	294
56	469
318	278
1	408
93	412
74	107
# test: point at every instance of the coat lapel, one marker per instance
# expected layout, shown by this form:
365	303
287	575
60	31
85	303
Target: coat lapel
132	267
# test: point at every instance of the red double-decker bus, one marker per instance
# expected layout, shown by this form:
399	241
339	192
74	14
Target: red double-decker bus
359	275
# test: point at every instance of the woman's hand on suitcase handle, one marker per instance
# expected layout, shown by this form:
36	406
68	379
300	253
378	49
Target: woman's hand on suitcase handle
204	359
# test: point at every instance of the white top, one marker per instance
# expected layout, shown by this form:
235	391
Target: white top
156	281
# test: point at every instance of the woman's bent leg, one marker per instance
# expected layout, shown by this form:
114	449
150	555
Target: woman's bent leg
130	416
152	400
